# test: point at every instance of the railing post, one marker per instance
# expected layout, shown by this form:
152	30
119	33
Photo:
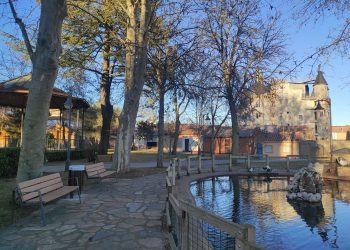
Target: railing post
173	172
184	231
213	163
248	161
230	164
267	161
188	165
178	168
288	164
199	164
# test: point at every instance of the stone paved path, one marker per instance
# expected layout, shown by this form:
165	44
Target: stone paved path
113	215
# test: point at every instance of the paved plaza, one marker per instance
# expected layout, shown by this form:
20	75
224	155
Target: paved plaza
122	214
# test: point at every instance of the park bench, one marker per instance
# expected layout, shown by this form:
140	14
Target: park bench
104	158
98	171
41	191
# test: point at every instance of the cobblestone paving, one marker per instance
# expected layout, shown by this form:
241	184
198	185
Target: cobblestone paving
113	215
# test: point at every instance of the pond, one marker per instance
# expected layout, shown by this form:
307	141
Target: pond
279	224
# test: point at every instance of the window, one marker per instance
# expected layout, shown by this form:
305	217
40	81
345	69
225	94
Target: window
286	149
268	148
257	115
227	145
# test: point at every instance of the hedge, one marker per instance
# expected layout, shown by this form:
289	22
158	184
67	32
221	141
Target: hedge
62	155
9	159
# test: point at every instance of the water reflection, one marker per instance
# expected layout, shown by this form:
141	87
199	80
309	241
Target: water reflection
279	224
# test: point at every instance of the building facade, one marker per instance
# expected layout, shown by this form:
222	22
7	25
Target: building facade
289	107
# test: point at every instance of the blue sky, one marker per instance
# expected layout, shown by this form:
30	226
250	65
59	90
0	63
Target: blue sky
302	41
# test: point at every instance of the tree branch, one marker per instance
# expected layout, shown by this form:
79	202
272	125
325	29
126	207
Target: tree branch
23	30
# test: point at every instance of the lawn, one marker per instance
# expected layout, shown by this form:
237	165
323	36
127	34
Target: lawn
7	185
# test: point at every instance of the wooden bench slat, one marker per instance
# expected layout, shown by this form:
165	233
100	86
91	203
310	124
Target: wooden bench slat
87	167
104	158
95	169
54	194
94	174
104	174
40	185
45	190
49	187
38	180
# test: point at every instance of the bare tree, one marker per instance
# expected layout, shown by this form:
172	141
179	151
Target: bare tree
241	44
44	72
171	42
139	15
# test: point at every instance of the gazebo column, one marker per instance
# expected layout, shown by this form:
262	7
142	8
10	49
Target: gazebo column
82	123
22	119
59	133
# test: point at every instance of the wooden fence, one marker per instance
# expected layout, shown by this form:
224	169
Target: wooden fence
192	228
193	164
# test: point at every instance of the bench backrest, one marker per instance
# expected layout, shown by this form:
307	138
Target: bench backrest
104	158
29	189
95	169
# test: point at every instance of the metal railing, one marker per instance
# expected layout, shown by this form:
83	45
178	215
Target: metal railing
9	141
59	144
51	144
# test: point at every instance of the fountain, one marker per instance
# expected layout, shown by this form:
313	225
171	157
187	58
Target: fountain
306	185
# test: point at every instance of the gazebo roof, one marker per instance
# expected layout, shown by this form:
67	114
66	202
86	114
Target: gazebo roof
14	92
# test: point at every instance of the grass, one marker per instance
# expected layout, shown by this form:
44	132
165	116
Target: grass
7	185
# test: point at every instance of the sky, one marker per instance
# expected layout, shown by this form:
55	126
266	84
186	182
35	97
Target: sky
302	40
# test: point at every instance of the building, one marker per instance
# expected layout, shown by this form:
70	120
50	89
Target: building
286	106
341	133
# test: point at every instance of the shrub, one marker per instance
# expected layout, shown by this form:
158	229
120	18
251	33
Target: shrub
62	155
9	159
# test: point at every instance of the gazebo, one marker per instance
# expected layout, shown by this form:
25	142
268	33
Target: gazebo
14	93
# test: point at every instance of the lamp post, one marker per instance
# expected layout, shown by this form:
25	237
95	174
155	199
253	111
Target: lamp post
320	108
68	104
204	118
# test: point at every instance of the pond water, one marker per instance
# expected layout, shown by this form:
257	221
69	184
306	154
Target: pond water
279	224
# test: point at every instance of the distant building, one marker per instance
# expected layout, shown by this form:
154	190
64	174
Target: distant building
287	107
341	132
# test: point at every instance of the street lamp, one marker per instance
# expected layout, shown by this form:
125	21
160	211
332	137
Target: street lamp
202	120
320	108
68	104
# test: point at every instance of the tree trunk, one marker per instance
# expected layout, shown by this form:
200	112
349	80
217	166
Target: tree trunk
105	92
44	73
177	123
160	154
212	135
135	63
176	133
235	132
